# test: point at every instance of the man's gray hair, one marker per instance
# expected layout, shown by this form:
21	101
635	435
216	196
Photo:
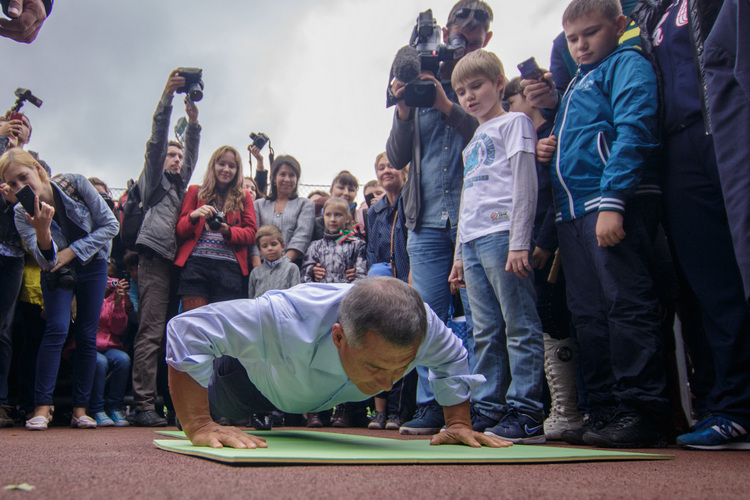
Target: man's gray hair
386	306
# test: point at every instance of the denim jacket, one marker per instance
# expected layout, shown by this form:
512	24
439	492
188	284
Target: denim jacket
93	216
432	195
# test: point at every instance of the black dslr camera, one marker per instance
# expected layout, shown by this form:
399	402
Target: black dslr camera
259	140
425	38
215	221
64	278
193	83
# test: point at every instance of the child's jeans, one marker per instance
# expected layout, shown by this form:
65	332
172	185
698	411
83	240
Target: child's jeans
116	362
614	309
507	332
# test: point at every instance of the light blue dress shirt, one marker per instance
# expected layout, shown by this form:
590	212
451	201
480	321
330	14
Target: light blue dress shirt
283	339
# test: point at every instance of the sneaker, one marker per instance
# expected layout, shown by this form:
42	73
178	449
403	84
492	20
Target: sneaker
38	423
313	420
599	417
261	422
83	422
716	433
393	423
481	422
378	421
627	429
119	418
518	428
149	418
5	420
340	417
103	420
428	419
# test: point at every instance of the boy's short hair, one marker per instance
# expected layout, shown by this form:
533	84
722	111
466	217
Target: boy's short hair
478	63
468	21
612	9
269	230
371	184
513	87
345	178
337	202
130	259
176	144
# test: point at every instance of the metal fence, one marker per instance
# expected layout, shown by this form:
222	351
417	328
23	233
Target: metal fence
302	189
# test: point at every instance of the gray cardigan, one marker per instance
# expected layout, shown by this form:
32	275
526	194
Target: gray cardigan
296	221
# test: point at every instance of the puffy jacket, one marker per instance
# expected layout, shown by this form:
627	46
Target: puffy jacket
605	129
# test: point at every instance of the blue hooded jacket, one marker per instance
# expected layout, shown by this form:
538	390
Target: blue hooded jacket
606	131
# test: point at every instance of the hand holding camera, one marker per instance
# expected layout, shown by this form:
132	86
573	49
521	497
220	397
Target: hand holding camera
206	212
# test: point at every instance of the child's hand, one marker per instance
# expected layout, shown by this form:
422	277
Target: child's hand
609	231
318	272
542	95
545	149
351	274
518	263
540	256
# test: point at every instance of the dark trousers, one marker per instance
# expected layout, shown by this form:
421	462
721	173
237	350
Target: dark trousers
701	234
11	272
232	395
614	310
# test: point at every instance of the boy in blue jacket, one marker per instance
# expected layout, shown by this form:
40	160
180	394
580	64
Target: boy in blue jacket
607	208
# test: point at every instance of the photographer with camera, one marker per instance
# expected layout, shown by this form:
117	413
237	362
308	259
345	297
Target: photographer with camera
164	177
216	227
73	254
432	138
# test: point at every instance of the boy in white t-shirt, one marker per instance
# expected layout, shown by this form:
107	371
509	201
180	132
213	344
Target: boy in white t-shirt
492	255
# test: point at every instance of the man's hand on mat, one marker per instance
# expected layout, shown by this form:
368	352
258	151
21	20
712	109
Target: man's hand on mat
217	436
459	434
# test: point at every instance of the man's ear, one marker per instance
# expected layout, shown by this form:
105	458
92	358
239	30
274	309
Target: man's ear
337	332
487	38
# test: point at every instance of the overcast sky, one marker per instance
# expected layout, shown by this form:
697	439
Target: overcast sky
311	74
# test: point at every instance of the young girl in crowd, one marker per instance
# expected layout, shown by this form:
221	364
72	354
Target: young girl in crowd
340	256
216	227
69	234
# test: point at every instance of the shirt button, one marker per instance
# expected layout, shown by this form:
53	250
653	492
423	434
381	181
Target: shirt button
446	190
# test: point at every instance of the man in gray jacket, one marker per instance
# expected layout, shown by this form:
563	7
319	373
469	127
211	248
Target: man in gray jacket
165	171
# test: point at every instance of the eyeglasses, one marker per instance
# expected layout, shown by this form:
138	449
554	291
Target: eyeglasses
480	15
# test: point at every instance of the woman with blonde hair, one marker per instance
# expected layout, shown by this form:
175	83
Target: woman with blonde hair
70	235
215	228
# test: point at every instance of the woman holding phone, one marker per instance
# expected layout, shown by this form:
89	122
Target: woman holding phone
68	228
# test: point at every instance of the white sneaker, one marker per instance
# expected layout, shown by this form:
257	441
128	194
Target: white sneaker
84	422
103	420
37	423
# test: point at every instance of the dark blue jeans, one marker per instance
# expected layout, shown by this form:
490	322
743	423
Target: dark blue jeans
11	272
615	311
89	292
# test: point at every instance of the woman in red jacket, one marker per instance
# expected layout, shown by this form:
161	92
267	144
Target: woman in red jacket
216	228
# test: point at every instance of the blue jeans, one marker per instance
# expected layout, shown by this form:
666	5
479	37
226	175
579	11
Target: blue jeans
507	331
117	363
431	259
11	272
89	293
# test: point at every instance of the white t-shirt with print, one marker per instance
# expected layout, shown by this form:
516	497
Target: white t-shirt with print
487	198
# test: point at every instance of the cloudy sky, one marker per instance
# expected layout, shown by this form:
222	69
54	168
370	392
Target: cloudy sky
311	74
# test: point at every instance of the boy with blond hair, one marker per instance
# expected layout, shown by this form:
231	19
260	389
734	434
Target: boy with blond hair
607	203
498	204
276	272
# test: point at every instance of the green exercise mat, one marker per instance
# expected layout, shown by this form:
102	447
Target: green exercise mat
325	448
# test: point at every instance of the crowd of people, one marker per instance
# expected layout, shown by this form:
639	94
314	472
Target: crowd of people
571	217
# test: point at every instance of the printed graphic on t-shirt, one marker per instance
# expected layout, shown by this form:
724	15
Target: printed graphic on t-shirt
481	152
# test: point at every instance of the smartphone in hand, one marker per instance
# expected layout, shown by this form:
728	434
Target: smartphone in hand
530	70
26	197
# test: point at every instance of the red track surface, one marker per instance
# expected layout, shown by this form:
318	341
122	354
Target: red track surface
114	463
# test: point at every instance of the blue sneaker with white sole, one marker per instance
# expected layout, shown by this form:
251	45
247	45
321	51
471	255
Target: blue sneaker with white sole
518	428
716	433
